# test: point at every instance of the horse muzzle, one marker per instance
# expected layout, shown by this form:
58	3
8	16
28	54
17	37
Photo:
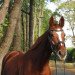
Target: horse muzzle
62	54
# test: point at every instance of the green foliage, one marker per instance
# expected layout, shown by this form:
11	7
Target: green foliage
67	5
3	27
1	30
71	55
45	25
53	0
70	48
39	2
5	24
25	6
68	10
11	3
1	3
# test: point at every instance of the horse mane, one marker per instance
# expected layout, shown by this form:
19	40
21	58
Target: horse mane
40	40
39	53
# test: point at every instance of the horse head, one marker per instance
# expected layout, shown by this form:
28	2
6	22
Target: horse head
57	38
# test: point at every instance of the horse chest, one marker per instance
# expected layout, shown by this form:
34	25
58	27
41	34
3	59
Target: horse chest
46	70
30	70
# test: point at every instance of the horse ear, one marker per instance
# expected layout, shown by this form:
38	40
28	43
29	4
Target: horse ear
61	22
51	21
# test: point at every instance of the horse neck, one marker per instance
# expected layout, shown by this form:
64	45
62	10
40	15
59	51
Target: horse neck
41	52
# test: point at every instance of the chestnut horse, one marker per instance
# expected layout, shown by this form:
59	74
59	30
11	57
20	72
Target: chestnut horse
36	60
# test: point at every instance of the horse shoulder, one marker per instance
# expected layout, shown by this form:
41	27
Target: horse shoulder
46	70
10	63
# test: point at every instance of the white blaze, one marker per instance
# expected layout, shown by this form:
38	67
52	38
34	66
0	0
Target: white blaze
59	35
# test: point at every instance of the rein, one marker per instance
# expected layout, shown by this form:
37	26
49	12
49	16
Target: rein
56	68
53	48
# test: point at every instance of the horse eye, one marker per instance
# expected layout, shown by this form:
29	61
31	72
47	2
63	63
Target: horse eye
51	35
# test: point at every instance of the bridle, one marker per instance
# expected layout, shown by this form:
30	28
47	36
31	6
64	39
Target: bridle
53	47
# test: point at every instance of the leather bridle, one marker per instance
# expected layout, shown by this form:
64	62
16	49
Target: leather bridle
53	47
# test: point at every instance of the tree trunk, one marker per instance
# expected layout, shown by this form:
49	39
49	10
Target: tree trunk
17	35
38	15
27	32
10	32
35	25
41	5
23	31
3	11
31	23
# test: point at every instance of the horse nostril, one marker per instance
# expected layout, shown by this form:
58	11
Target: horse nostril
62	54
59	52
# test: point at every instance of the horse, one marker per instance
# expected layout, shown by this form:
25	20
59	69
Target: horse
36	60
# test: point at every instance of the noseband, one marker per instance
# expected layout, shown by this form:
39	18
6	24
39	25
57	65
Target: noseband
53	47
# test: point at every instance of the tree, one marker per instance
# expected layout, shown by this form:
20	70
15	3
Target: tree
25	24
31	23
10	32
17	35
3	10
45	25
39	6
68	9
27	32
